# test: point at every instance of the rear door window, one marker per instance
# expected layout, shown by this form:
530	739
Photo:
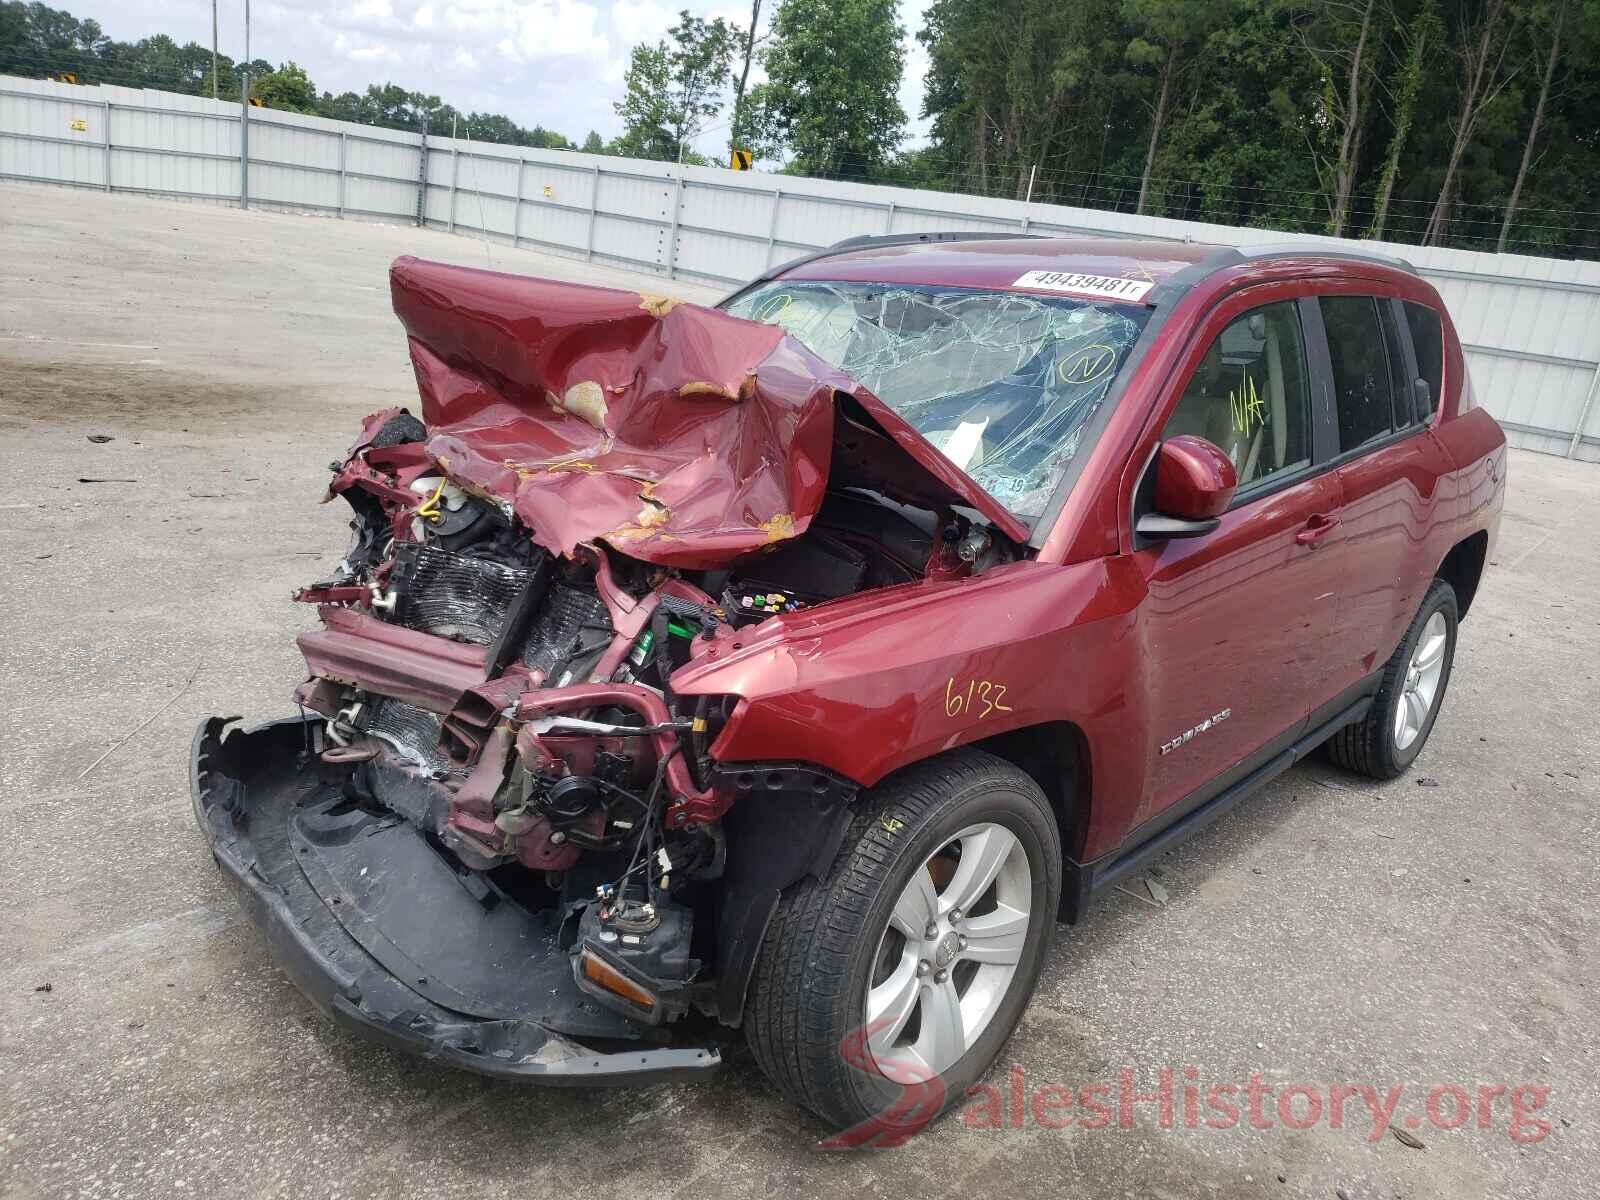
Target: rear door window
1363	385
1427	340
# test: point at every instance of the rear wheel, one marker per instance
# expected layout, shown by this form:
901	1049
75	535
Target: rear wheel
913	960
1389	738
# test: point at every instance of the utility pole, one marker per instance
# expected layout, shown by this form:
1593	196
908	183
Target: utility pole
213	49
244	117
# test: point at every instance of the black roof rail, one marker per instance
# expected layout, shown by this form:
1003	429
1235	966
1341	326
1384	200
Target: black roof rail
903	239
865	240
1321	250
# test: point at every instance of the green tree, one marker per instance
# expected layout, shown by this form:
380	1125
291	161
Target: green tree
287	88
1341	38
1166	35
644	108
1418	39
592	144
1548	24
1482	48
346	106
833	78
674	89
1031	92
38	40
741	126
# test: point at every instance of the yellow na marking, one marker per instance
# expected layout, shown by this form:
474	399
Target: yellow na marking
1246	405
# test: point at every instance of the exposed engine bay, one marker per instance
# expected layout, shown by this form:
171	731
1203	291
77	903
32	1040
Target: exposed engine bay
493	676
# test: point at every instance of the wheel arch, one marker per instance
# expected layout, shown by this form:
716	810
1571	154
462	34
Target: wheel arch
1055	755
1462	568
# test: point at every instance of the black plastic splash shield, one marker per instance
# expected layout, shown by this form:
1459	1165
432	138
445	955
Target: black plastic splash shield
244	785
399	898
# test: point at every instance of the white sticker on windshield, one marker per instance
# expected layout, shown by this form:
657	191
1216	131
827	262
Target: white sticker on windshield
1109	287
962	444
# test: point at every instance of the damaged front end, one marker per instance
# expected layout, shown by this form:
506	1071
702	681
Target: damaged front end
498	835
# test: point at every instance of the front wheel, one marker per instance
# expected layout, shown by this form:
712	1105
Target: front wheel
913	960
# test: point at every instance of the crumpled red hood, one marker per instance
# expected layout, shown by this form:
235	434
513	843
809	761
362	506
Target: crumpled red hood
676	433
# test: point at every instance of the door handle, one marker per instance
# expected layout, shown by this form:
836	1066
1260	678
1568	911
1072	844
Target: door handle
1316	528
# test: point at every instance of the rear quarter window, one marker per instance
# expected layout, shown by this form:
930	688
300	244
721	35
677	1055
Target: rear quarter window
1427	340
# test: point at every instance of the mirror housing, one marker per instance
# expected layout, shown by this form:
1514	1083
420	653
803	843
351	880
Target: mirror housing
1194	484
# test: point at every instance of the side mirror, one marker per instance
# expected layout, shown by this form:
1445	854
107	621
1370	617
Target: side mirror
1194	485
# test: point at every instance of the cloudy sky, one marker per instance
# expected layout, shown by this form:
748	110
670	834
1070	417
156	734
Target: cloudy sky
556	63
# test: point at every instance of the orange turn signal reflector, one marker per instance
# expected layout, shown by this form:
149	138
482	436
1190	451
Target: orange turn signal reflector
603	974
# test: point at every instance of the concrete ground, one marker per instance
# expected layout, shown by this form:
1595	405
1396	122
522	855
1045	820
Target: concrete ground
1434	931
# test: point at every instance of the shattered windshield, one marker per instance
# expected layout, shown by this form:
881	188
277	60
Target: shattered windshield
1004	384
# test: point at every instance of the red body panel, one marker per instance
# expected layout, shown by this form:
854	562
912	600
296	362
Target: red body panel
1234	623
680	435
860	687
1297	595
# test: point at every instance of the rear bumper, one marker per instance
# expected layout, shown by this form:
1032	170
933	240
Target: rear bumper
242	783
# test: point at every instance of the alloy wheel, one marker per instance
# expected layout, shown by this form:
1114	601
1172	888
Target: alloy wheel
951	949
1420	687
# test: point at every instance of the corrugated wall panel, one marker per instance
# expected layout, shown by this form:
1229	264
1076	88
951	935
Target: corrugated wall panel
640	196
51	162
388	160
292	187
436	204
718	259
175	172
491	174
630	243
492	214
382	199
571	185
1527	393
278	142
554	226
818	221
736	212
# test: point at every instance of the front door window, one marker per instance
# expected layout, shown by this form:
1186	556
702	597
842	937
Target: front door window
1251	395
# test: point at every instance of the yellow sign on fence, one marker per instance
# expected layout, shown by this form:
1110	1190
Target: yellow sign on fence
79	125
739	160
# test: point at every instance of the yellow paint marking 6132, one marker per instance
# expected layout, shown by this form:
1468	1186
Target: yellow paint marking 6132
979	698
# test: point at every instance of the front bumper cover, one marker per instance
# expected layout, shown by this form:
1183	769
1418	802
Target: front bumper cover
242	783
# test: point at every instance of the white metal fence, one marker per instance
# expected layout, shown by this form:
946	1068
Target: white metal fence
1531	325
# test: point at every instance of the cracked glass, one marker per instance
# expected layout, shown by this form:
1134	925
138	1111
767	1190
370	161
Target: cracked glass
1004	384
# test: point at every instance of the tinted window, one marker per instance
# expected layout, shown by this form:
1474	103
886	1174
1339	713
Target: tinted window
1427	341
1399	374
1362	389
1251	396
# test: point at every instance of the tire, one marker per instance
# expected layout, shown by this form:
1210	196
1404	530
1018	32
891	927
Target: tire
831	939
1376	745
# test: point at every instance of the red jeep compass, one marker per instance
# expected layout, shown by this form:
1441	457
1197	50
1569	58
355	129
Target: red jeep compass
798	665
